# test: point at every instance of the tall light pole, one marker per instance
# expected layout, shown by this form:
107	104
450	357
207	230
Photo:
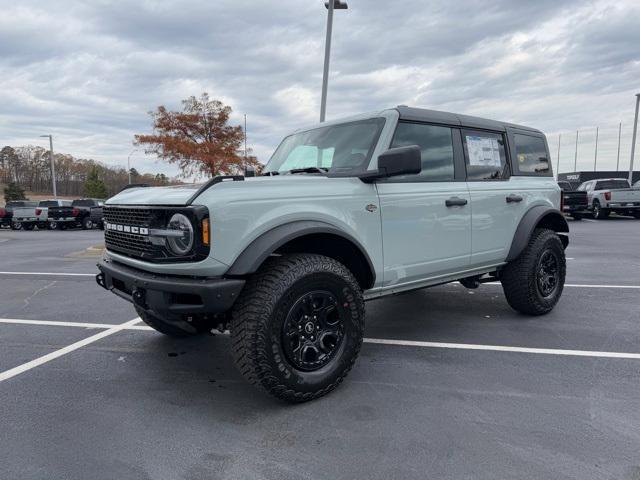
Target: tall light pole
595	159
558	163
618	157
575	159
53	166
633	139
245	137
331	5
129	163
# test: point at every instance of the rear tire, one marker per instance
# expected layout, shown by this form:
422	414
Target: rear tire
599	213
533	282
576	216
16	226
28	226
297	327
636	215
176	329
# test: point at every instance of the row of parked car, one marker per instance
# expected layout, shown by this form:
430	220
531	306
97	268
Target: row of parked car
85	213
598	198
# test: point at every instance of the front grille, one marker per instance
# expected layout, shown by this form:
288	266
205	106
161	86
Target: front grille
130	244
127	232
139	217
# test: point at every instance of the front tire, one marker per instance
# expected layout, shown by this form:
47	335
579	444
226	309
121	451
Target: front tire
176	329
298	326
87	223
16	226
533	282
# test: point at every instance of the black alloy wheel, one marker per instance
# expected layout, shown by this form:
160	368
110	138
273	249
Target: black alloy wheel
313	330
548	273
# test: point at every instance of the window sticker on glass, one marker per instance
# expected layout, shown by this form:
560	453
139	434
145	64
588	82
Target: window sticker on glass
483	151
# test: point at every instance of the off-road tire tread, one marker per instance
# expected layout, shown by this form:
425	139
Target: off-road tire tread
249	324
518	281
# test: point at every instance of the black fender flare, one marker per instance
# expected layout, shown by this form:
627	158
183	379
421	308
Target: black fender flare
538	215
259	249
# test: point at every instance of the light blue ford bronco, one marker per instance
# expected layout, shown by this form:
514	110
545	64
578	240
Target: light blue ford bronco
344	212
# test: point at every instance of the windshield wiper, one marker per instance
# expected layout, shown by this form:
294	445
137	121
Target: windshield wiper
270	173
309	170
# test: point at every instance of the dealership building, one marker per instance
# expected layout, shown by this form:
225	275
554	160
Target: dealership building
576	178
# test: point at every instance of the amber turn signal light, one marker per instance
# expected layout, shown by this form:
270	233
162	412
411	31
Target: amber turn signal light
205	232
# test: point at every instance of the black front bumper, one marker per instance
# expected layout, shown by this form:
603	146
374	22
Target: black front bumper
169	296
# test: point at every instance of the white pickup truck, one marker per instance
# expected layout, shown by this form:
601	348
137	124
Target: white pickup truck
606	195
35	214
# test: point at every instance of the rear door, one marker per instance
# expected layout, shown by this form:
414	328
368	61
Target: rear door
426	218
498	202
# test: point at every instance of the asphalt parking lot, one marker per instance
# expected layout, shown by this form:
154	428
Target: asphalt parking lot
450	384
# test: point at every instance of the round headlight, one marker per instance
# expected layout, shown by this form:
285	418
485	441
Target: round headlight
180	244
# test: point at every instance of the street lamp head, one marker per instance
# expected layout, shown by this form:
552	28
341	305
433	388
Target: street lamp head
337	5
46	136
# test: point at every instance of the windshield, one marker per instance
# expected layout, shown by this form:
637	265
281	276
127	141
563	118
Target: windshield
48	203
338	148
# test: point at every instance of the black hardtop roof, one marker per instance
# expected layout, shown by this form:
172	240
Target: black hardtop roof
435	116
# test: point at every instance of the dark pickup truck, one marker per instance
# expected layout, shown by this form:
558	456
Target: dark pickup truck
85	213
574	202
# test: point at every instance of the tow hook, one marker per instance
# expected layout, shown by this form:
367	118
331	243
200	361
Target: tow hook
138	297
100	280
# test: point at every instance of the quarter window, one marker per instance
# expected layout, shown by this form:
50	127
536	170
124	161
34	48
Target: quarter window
531	155
484	155
436	150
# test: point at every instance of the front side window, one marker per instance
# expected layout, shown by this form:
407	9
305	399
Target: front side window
531	155
436	151
341	148
484	155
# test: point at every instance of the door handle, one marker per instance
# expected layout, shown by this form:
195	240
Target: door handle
514	198
455	202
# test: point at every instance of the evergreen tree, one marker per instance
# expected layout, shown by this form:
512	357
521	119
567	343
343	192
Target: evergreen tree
94	187
13	191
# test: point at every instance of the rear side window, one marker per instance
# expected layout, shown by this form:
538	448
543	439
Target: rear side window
48	203
531	156
436	150
485	155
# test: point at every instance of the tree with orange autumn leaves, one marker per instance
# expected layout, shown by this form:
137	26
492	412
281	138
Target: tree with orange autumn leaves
198	139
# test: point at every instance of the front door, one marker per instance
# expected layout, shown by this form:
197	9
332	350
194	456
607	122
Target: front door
426	218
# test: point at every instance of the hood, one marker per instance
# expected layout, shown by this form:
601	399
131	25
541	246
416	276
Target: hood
174	195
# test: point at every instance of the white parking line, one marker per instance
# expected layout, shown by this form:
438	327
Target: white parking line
584	285
380	341
503	348
569	285
7	374
61	274
53	323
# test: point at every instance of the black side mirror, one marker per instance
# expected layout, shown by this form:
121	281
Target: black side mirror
396	161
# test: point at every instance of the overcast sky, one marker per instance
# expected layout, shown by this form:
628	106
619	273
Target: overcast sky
89	71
